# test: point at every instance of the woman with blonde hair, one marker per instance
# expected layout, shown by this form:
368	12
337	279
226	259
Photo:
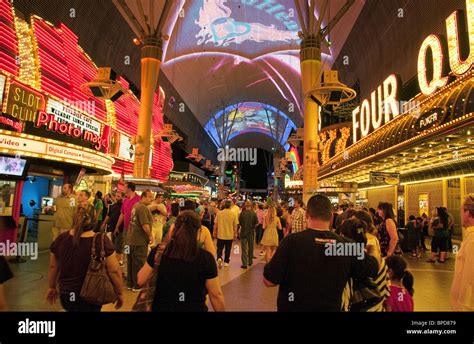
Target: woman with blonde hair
271	225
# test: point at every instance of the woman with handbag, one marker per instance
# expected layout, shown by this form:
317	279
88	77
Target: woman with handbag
71	261
183	270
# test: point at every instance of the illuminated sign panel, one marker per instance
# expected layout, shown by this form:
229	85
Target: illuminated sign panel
440	50
127	148
66	114
430	119
23	103
382	107
458	66
13	144
28	111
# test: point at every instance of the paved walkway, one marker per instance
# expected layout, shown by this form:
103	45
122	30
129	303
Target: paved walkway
243	289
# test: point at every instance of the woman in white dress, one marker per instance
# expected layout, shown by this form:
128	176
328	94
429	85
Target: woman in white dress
271	224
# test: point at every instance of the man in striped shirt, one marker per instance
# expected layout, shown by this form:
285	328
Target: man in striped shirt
298	217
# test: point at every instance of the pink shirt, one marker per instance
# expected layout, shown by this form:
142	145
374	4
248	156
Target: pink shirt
400	300
260	216
127	207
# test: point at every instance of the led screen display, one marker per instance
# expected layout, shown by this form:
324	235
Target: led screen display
242	27
251	118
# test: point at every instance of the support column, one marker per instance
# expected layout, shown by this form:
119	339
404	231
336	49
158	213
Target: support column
405	191
152	53
276	176
462	183
395	202
445	192
221	192
311	77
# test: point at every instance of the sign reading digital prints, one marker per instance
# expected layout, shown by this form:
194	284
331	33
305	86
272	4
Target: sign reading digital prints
17	144
383	105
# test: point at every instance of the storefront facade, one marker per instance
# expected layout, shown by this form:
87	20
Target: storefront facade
52	131
423	145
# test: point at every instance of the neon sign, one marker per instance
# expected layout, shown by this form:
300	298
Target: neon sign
437	45
382	107
49	122
23	102
378	111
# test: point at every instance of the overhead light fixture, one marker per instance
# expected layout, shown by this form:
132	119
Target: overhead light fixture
105	85
137	42
332	91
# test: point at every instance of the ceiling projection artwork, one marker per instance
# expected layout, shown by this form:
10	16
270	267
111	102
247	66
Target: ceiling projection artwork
226	52
246	28
250	118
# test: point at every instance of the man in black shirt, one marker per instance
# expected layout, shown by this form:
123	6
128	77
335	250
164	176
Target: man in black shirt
309	278
111	221
5	275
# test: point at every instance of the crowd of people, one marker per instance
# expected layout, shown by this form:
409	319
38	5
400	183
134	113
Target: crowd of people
186	243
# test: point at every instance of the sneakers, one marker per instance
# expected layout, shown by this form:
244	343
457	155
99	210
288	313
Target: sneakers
219	263
243	267
262	254
226	265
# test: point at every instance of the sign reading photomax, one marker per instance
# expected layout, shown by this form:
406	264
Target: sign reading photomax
384	178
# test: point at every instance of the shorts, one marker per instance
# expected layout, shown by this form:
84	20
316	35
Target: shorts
118	242
440	244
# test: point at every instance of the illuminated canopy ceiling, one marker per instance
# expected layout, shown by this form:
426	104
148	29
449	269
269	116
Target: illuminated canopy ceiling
225	52
246	118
